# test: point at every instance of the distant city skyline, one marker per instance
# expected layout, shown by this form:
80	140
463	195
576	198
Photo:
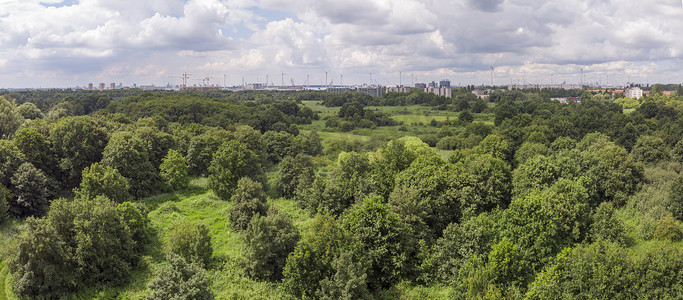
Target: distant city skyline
68	43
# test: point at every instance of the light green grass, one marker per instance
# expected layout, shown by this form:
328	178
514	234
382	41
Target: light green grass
4	272
410	119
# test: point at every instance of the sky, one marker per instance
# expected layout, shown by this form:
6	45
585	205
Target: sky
68	43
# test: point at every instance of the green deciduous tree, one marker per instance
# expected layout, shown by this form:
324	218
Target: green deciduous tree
101	180
347	184
649	149
174	170
668	228
10	160
292	172
270	240
29	186
528	150
158	143
78	142
37	149
200	152
676	197
349	282
232	161
4	205
249	199
128	154
10	118
545	222
388	162
30	111
312	261
470	240
79	244
606	226
386	241
180	280
190	241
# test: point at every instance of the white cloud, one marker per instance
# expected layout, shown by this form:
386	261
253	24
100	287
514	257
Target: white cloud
460	38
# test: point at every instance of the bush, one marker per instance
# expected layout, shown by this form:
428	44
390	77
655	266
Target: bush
174	170
270	240
649	149
232	162
313	258
192	242
79	244
293	171
10	118
180	280
10	160
29	186
101	180
668	228
385	240
676	196
606	226
348	283
129	155
248	200
4	205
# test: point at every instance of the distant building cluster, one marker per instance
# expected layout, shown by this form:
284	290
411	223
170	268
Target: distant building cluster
101	86
443	88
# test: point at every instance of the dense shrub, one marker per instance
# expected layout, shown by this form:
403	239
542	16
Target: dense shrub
232	162
29	186
129	155
79	244
101	180
248	200
180	280
174	170
292	172
192	242
270	239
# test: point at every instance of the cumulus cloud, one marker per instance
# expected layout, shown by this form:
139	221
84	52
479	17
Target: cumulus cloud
460	38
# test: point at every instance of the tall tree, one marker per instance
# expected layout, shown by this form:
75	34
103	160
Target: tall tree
232	161
78	143
10	118
128	154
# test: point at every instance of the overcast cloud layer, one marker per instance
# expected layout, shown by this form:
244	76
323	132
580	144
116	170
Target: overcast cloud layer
62	43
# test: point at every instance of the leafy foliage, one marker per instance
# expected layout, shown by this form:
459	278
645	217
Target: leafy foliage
270	239
232	161
128	154
4	205
37	149
78	142
10	160
174	170
676	196
292	172
248	200
101	180
312	260
388	243
192	242
10	118
78	244
29	186
180	280
349	282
